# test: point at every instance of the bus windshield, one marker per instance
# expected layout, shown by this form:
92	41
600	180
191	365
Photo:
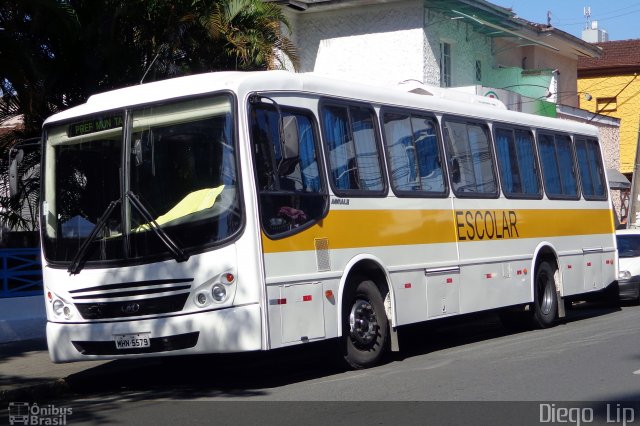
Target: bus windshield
173	179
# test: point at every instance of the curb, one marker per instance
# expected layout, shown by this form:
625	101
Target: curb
40	391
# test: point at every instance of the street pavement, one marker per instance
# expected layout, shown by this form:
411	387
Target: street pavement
26	372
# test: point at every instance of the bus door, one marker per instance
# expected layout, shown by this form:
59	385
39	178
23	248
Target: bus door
292	199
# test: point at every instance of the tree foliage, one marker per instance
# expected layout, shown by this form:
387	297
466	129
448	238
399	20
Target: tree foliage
55	53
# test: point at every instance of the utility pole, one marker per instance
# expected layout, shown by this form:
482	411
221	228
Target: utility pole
633	220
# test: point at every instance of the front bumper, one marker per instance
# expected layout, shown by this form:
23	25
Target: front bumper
236	329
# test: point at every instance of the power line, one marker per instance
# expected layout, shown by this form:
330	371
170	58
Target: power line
612	98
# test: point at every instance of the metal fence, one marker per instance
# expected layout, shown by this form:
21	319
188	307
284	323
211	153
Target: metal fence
21	272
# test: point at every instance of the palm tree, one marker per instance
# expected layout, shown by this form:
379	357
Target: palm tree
250	34
54	54
32	36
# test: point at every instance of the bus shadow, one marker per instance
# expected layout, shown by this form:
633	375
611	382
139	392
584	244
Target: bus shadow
209	376
447	333
251	375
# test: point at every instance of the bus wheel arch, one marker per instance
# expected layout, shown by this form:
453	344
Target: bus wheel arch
365	323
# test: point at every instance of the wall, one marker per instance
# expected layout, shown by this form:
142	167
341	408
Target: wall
467	47
375	43
510	54
382	43
628	110
22	318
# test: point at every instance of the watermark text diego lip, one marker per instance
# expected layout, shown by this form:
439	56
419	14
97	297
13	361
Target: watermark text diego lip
614	414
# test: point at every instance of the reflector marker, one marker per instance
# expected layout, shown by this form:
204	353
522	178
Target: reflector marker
407	285
278	301
569	266
588	263
449	280
306	298
491	275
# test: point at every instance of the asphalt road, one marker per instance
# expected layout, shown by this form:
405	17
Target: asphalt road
590	359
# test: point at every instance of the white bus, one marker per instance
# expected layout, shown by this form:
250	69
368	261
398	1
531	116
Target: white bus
231	212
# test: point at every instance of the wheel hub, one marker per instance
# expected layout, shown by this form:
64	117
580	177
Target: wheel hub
363	323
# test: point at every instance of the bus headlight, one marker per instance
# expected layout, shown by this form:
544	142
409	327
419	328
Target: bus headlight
61	308
219	293
201	298
58	307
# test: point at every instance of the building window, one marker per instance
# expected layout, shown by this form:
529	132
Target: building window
478	71
445	64
606	104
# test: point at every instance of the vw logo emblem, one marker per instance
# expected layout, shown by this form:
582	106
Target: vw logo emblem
130	308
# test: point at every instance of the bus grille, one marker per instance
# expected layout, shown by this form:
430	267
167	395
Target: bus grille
128	289
130	308
128	299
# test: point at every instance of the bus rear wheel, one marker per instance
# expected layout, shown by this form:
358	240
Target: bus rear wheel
365	325
545	300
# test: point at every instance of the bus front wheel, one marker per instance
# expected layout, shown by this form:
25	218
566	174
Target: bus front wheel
365	325
545	300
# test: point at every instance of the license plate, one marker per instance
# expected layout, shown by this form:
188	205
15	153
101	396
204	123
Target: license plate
132	341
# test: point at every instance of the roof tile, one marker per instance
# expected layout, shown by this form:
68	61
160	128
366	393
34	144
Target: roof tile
619	53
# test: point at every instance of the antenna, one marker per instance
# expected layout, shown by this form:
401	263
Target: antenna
548	18
587	16
160	50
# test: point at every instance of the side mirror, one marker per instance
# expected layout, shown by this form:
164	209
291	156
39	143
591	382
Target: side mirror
13	171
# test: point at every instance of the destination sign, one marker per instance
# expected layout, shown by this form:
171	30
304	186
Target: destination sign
97	124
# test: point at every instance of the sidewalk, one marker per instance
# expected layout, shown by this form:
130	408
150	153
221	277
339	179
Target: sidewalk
27	373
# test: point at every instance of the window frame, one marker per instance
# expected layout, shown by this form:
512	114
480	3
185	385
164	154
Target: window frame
441	153
353	193
555	134
587	140
127	111
446	64
538	171
313	119
490	143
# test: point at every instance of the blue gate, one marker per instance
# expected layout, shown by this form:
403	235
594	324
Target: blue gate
21	272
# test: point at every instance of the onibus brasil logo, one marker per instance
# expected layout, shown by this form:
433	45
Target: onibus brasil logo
23	413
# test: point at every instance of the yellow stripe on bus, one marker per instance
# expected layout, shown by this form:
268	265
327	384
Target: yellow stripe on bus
370	228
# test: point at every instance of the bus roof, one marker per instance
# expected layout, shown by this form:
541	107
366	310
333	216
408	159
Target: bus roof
243	83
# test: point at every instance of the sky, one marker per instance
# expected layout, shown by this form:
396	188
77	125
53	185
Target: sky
619	18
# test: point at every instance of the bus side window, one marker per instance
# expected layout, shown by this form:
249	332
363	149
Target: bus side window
471	159
558	169
414	153
517	163
290	188
591	169
354	159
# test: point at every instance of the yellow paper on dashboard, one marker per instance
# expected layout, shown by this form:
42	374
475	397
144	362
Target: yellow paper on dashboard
192	203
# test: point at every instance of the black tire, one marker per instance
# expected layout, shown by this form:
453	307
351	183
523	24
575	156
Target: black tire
545	300
365	327
612	296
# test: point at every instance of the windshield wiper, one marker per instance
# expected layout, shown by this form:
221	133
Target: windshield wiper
175	250
76	263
